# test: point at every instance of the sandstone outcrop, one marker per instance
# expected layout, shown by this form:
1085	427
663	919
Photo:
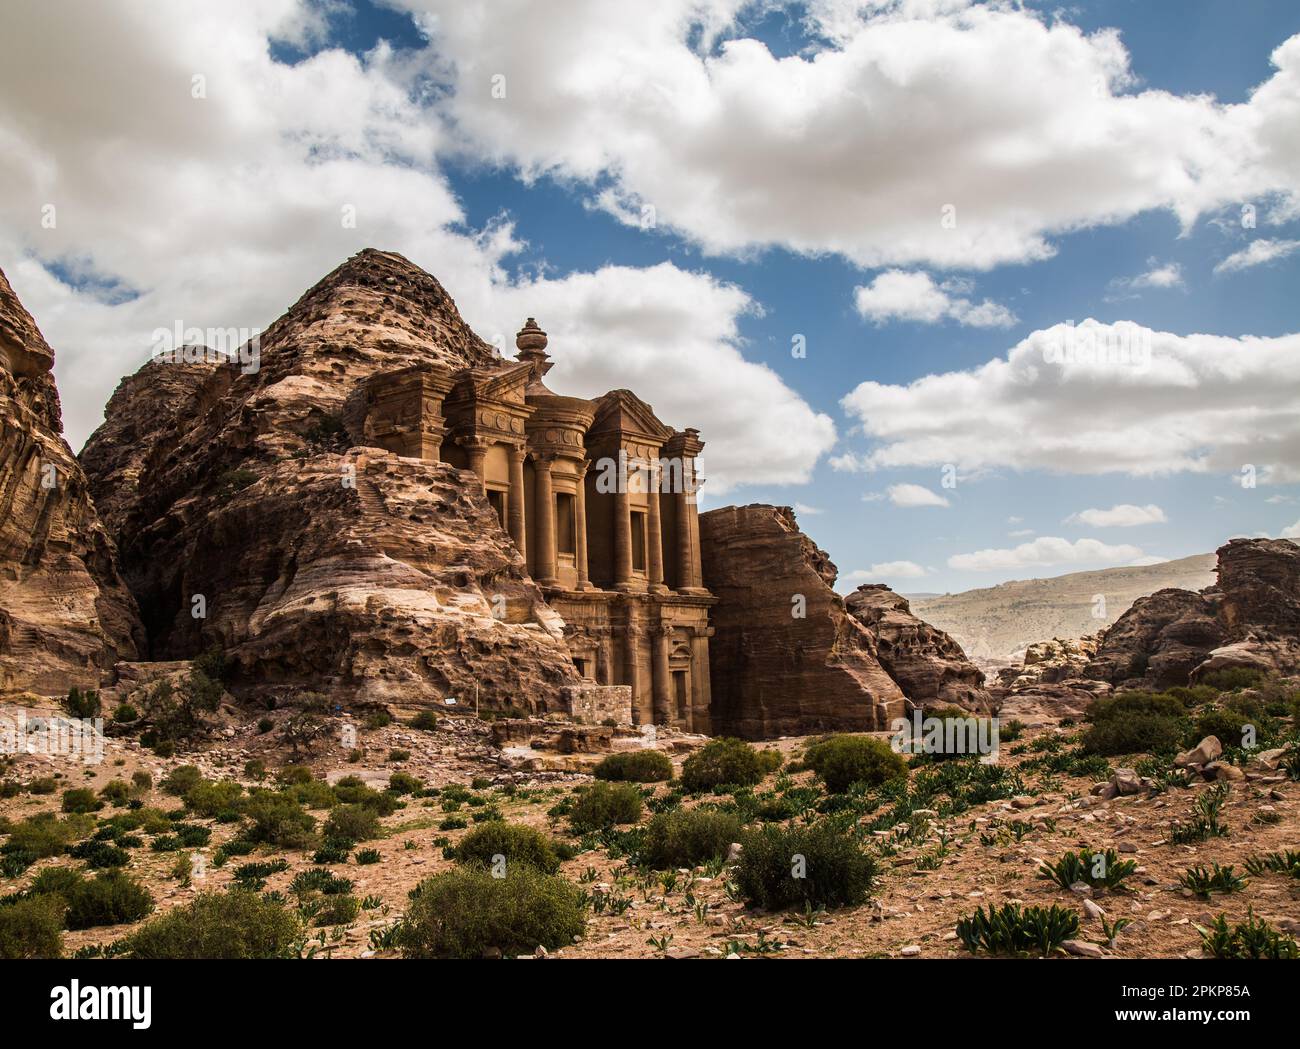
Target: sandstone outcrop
65	615
1049	662
1160	640
787	658
260	520
928	665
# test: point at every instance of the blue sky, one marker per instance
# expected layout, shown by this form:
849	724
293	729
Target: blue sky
1142	249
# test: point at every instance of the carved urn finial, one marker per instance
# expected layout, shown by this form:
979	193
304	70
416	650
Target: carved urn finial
531	341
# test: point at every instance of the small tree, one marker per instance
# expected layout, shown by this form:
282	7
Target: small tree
84	705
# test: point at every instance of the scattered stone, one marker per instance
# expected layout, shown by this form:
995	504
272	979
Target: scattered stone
1082	949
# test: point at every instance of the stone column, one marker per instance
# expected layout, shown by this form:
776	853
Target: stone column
701	698
515	508
544	555
580	529
476	449
622	534
663	696
631	644
688	561
654	533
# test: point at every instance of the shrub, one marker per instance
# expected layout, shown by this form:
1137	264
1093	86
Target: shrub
56	881
1229	722
99	854
81	799
141	780
604	804
181	780
378	719
640	766
402	783
366	857
466	912
43	785
125	714
812	866
79	704
841	761
44	834
1203	881
517	843
236	924
721	762
1128	704
425	720
215	799
110	898
688	838
31	928
278	820
1138	734
264	725
1011	930
337	910
349	824
116	791
1230	679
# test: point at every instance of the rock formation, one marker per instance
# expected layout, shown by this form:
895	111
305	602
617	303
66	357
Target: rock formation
928	665
65	615
260	521
789	656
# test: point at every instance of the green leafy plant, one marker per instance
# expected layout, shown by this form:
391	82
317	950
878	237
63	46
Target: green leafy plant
639	766
816	865
1097	870
1013	930
1203	880
687	837
517	843
1253	938
845	760
1203	823
605	804
722	761
231	925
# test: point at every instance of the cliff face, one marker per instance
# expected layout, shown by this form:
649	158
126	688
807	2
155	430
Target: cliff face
928	665
786	657
65	615
259	521
1251	618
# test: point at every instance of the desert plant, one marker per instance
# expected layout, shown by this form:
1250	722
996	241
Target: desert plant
1203	880
605	804
81	799
110	898
278	820
466	912
639	766
1203	823
181	780
425	720
1253	938
349	824
231	925
31	927
82	704
722	761
687	838
1097	870
516	843
817	865
1287	862
1012	930
844	760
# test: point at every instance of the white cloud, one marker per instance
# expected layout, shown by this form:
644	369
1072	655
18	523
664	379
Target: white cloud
1169	275
1020	533
1045	552
899	295
1258	253
885	571
1291	531
909	495
804	510
1124	515
912	114
1098	399
220	211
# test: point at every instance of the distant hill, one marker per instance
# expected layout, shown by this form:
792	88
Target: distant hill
993	623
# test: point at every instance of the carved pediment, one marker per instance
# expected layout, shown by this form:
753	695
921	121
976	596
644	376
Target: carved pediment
623	413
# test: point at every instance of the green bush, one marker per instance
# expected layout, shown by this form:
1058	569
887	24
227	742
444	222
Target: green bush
425	720
403	783
1253	938
85	705
1229	679
141	780
116	791
639	766
337	910
181	780
81	799
125	714
688	838
44	834
841	761
110	898
275	819
236	924
813	866
467	912
57	881
1098	870
517	843
722	761
1229	721
604	804
1141	734
31	928
349	824
215	799
100	854
43	785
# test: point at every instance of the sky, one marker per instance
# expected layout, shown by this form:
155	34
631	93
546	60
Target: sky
984	291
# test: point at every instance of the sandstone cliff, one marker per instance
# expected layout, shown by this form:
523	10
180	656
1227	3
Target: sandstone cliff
788	658
928	665
65	615
259	521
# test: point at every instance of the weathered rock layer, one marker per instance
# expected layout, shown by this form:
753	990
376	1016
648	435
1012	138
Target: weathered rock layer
790	657
260	522
65	615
